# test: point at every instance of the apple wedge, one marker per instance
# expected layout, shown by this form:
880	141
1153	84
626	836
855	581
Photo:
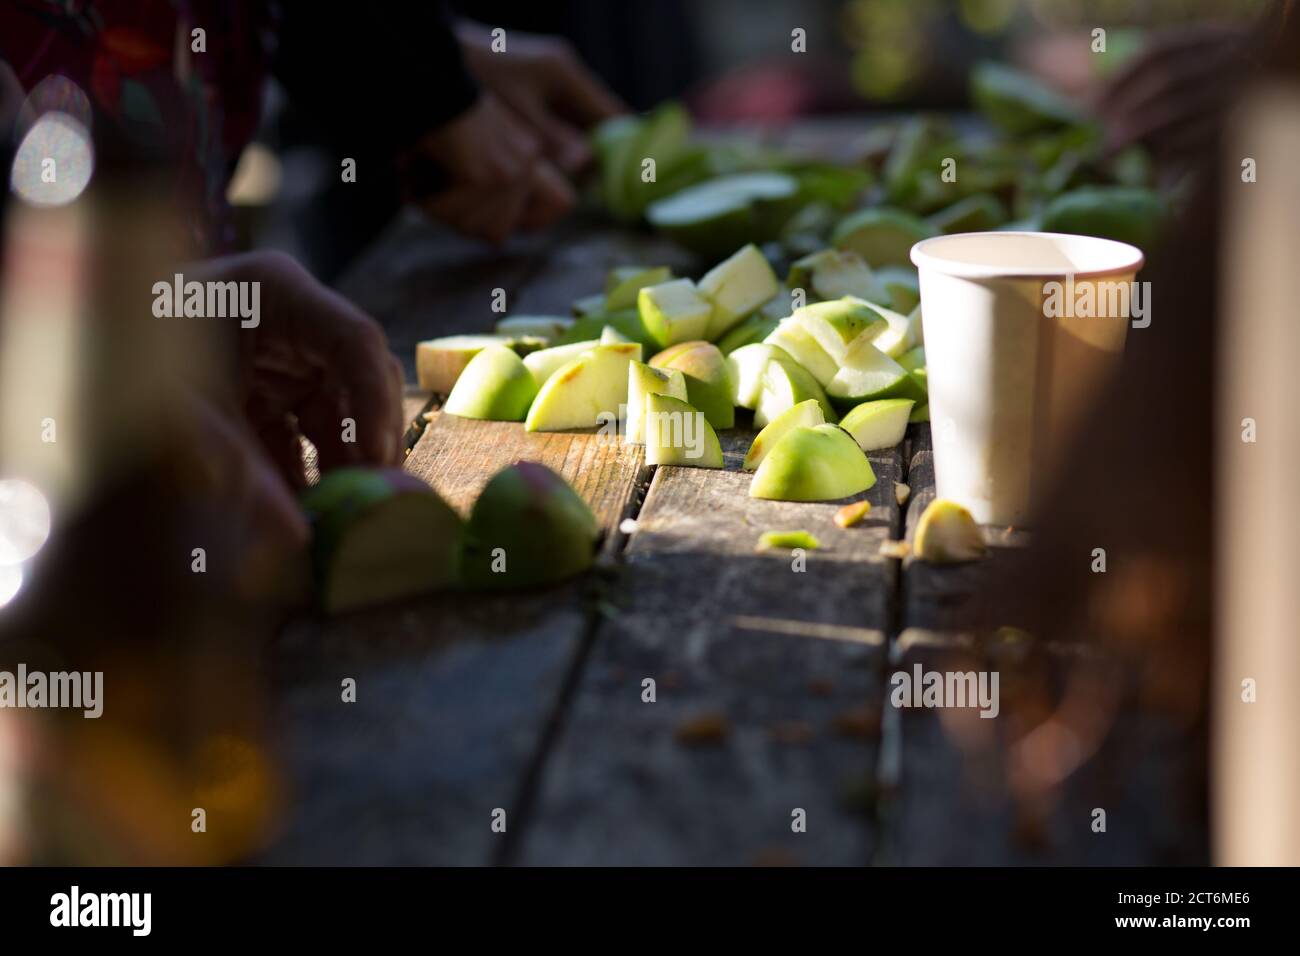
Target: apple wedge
737	286
753	329
439	362
821	463
785	384
880	424
587	392
708	382
837	324
377	536
869	374
902	285
921	413
679	434
947	534
674	312
642	381
918	329
592	304
623	283
746	366
804	415
896	336
495	386
799	343
544	363
882	236
835	273
545	327
626	321
914	361
527	528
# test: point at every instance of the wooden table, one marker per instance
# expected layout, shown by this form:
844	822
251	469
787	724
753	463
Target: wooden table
772	685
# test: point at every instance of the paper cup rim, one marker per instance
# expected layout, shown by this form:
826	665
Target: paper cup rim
1133	258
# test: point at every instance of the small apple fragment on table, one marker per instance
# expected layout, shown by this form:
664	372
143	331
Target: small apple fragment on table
624	283
379	535
586	392
679	434
822	463
737	286
947	534
643	381
880	424
674	312
786	540
495	386
708	379
852	514
528	528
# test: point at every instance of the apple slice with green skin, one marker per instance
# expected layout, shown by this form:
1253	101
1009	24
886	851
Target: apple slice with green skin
895	337
674	312
718	215
947	533
677	433
495	386
882	236
439	362
821	463
543	364
798	342
527	528
869	374
624	283
914	361
920	414
745	367
545	327
737	286
379	535
880	424
918	329
806	414
835	273
589	305
612	336
626	321
708	382
785	384
903	286
586	392
837	324
642	381
753	329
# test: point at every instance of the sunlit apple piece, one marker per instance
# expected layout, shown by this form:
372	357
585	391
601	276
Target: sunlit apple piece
626	321
545	327
527	528
643	380
753	329
868	374
921	413
786	541
813	464
679	434
879	424
894	337
785	384
805	414
708	381
737	286
791	336
914	361
674	312
746	366
947	533
439	362
544	363
882	236
833	273
902	285
586	392
624	282
496	386
379	535
918	329
852	513
612	336
839	323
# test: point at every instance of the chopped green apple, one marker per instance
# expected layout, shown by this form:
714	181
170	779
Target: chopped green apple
852	513
626	321
914	361
837	324
439	362
918	329
674	312
612	336
903	286
947	533
527	528
679	434
868	374
496	386
786	541
895	337
708	381
589	305
624	282
882	236
921	413
821	463
643	380
753	329
718	215
545	327
806	414
833	274
377	536
544	363
785	384
879	424
978	213
737	286
799	343
586	392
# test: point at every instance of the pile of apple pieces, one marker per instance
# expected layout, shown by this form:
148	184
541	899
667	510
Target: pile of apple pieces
731	340
381	535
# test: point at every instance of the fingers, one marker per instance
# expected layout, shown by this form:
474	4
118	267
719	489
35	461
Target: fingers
576	93
562	143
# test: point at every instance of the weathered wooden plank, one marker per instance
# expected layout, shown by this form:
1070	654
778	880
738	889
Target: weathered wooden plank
767	686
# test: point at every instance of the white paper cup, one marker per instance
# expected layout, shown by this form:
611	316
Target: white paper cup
1014	355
